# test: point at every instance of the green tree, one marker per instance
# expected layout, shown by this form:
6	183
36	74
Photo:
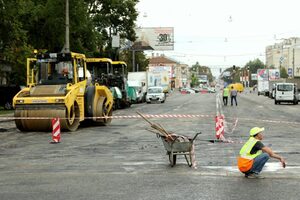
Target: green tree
234	75
40	24
202	70
112	17
194	80
14	46
283	73
140	59
253	66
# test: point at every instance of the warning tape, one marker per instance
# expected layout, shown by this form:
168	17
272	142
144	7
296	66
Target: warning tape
265	120
122	117
160	116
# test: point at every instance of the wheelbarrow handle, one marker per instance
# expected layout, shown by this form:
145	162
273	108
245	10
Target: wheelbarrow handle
196	136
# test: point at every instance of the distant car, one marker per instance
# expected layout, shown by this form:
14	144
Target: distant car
197	90
155	94
211	90
187	91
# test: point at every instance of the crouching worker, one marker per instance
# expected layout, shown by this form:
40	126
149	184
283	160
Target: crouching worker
254	155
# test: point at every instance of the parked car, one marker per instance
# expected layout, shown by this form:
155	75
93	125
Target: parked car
211	90
155	94
187	91
8	93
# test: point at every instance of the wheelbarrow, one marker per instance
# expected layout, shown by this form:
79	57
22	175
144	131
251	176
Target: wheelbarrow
180	145
174	144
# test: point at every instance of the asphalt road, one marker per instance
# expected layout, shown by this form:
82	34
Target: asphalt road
125	161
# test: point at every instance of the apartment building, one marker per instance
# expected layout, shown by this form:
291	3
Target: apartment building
285	54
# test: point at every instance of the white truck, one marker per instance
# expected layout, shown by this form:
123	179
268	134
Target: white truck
263	87
138	80
263	82
286	92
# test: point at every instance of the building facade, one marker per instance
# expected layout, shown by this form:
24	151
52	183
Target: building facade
285	54
179	76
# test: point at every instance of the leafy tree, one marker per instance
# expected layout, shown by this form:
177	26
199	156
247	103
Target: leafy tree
202	70
234	75
14	47
112	17
253	66
194	80
40	24
283	73
140	59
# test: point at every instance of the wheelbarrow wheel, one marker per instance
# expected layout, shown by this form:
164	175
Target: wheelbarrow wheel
172	159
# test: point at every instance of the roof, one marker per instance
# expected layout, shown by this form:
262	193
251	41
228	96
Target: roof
161	60
105	60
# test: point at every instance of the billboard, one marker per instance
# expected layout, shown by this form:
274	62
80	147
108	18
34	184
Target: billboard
297	71
253	77
262	75
158	79
274	74
154	38
158	69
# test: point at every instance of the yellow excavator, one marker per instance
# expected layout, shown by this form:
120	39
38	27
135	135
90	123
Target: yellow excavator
58	85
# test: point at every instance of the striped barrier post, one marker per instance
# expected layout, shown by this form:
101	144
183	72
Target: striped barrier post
219	126
55	130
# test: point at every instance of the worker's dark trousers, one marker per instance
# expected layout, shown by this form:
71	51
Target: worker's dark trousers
225	100
233	97
259	163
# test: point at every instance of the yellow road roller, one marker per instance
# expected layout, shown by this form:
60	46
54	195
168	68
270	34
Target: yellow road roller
57	86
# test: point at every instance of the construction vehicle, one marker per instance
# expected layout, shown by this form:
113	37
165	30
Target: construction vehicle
120	73
112	74
57	87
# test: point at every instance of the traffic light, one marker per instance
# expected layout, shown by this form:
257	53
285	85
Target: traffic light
233	67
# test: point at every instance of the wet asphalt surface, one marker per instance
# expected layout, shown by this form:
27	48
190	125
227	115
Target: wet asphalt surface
125	161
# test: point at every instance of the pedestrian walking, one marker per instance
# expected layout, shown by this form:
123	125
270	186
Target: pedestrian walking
254	155
233	94
225	95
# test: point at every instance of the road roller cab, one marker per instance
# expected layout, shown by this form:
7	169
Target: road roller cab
57	87
105	72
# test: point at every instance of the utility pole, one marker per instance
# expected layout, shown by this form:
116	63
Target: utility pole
67	36
133	60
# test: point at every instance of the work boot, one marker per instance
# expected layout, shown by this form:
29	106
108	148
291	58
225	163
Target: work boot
253	176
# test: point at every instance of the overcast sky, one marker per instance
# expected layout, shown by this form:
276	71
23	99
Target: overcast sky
222	33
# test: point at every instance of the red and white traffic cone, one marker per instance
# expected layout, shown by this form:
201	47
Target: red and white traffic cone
55	130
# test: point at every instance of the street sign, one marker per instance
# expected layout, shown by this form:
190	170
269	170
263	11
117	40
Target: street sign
290	72
281	59
253	77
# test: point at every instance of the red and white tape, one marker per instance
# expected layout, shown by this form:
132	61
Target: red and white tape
123	117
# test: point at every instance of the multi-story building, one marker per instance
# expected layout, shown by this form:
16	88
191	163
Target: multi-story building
178	74
285	55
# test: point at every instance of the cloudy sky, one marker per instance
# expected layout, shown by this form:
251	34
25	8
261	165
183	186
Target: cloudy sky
222	33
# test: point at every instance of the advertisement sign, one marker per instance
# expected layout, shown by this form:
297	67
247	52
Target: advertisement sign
297	71
156	38
253	77
159	79
262	74
290	72
274	74
158	69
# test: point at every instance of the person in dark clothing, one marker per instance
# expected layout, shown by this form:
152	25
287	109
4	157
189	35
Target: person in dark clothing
233	94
